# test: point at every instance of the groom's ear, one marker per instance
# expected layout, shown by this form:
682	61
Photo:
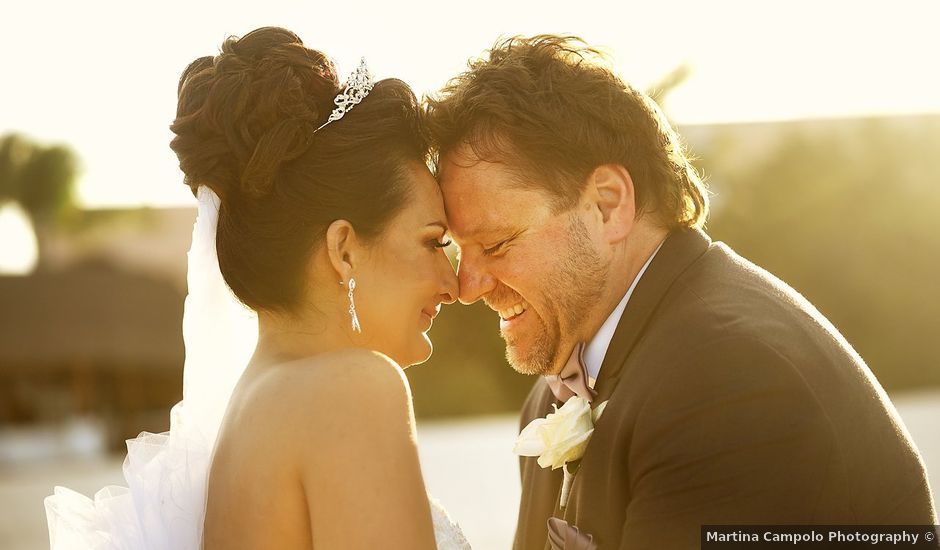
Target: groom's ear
341	248
610	188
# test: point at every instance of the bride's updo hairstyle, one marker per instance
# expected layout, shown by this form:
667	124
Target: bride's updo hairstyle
244	126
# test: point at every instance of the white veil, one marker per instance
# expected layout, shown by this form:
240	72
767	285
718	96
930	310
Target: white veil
219	332
163	505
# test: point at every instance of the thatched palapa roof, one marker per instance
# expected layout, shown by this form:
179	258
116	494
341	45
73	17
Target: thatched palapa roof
90	314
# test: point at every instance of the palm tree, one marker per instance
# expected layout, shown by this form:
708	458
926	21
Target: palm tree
41	179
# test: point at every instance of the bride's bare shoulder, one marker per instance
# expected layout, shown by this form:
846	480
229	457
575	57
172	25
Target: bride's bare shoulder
352	369
333	387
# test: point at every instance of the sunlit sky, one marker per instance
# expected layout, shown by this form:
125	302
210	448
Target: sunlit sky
101	76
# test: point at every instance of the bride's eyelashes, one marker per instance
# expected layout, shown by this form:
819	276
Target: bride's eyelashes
442	242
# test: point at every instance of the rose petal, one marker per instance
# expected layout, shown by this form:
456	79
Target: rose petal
529	443
567	450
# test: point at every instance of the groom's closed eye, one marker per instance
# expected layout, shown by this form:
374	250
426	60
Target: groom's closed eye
500	246
494	249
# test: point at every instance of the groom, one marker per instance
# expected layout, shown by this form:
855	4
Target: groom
729	398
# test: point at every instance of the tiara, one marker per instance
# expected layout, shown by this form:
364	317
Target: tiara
358	86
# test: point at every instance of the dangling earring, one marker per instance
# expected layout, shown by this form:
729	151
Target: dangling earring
352	306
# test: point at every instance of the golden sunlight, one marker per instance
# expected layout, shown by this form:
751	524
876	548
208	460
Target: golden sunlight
18	255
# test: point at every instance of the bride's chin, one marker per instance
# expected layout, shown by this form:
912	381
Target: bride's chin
420	353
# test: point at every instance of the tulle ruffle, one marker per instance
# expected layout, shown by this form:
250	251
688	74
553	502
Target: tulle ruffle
161	508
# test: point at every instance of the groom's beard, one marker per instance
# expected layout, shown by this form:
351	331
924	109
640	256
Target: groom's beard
568	292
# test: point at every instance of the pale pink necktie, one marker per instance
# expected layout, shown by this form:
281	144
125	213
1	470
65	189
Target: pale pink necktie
573	378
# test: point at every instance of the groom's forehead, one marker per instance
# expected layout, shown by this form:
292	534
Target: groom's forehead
483	203
464	163
482	184
481	228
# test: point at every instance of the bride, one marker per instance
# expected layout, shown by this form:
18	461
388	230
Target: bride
317	209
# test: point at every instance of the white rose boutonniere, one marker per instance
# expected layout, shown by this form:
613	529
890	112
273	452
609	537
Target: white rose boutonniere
561	437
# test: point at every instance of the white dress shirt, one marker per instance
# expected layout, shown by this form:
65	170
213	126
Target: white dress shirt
596	349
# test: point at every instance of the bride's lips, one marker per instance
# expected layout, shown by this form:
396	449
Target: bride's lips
428	314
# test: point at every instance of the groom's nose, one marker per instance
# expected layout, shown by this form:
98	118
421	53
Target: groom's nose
475	282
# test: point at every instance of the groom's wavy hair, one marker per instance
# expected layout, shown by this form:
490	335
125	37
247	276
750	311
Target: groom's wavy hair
245	126
551	109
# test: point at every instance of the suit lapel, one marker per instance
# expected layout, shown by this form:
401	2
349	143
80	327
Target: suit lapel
682	248
541	487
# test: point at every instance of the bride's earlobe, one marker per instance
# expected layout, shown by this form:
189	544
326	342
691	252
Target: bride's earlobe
340	245
340	240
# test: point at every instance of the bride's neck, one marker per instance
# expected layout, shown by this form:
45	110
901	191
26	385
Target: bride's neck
284	338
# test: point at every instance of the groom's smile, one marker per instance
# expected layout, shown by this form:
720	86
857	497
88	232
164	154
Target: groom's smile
511	317
511	313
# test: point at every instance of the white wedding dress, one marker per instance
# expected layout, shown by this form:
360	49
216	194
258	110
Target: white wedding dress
163	505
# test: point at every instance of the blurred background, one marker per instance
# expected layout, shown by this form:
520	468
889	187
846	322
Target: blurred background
816	124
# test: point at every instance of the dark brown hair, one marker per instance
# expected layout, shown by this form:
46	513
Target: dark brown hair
550	109
245	126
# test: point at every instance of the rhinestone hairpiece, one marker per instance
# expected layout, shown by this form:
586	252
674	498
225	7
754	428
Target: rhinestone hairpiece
358	86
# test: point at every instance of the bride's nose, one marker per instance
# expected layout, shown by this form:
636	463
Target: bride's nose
449	286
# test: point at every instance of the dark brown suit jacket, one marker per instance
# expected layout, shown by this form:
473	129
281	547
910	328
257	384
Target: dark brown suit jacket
732	401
